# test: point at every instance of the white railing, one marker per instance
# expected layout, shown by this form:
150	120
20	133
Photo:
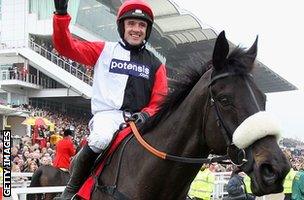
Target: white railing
61	62
20	186
27	78
21	179
15	75
221	179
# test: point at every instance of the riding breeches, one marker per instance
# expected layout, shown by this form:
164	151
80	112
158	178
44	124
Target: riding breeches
102	128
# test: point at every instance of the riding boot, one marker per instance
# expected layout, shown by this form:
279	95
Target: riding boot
81	168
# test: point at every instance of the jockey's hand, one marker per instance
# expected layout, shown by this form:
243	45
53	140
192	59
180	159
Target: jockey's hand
140	117
61	7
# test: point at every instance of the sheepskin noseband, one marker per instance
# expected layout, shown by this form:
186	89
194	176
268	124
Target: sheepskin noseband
255	127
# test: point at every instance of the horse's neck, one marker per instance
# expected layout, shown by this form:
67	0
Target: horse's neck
179	135
183	128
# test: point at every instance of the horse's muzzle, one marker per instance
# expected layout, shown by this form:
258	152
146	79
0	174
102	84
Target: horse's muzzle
268	179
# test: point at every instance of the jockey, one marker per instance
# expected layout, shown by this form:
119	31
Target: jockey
126	77
64	151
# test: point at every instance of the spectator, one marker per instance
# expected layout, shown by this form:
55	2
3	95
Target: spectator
14	152
64	151
15	167
236	187
55	138
202	186
298	184
288	184
32	166
44	161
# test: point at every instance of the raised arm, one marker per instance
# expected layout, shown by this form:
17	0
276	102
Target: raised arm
81	51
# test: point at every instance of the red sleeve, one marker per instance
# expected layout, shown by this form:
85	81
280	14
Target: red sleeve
80	51
159	91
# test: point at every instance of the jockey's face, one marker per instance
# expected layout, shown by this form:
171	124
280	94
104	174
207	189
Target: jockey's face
135	31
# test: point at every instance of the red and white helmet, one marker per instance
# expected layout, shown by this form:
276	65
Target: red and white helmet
138	9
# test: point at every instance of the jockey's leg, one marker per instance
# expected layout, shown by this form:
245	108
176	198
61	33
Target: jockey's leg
102	127
80	170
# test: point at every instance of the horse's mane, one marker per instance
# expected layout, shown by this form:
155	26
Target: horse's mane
180	90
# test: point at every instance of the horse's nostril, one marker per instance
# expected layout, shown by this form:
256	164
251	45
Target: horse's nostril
268	174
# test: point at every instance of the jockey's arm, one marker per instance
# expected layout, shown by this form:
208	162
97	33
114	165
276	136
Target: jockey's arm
84	52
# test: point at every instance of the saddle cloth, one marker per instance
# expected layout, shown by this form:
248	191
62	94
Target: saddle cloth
86	189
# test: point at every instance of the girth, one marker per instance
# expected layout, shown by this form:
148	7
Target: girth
112	189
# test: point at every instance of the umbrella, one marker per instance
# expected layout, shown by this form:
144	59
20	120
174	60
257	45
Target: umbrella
29	121
38	121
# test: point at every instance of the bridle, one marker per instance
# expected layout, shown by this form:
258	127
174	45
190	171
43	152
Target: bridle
238	157
241	158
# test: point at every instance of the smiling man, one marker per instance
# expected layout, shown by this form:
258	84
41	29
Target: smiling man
135	31
126	77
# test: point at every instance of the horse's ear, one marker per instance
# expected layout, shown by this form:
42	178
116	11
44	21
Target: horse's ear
252	52
220	52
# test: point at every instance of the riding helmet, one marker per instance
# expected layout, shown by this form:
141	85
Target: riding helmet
137	9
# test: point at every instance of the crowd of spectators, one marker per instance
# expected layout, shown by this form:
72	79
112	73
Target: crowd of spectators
26	156
62	121
294	150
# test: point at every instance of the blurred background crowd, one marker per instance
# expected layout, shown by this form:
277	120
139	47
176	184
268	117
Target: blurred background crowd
28	153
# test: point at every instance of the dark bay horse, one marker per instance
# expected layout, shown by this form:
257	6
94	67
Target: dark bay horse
47	175
217	109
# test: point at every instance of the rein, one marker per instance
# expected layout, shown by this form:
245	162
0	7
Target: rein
166	156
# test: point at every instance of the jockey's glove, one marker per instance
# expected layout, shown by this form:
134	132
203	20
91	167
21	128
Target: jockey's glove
140	117
61	7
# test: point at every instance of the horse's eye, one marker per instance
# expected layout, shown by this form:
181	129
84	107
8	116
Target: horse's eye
224	101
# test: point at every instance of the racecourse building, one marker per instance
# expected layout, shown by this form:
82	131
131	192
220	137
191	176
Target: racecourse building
31	71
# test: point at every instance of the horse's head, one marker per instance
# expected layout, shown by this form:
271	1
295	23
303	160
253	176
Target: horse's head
237	112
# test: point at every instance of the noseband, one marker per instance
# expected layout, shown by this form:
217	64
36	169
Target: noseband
239	157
